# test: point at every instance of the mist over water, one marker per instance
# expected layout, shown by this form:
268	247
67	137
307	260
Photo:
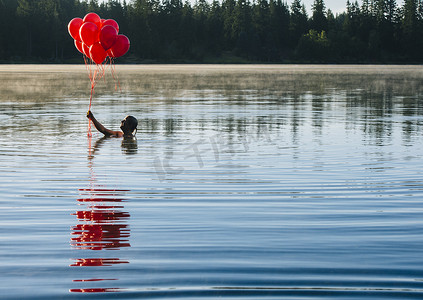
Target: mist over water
252	182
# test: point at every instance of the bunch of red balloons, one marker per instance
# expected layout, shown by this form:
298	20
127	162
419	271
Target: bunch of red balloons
98	38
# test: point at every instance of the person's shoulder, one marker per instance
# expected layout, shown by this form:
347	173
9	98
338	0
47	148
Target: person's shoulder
118	134
112	133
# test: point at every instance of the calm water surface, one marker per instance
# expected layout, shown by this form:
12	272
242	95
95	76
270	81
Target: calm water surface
246	182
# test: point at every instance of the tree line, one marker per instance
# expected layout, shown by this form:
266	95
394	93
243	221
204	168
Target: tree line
372	31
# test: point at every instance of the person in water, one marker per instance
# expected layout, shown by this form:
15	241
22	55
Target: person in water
128	126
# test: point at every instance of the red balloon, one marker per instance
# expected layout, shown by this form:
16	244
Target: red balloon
73	28
93	18
97	53
108	35
120	47
111	22
89	33
86	50
78	46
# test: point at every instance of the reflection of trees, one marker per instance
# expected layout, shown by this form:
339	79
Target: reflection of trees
187	82
368	96
370	112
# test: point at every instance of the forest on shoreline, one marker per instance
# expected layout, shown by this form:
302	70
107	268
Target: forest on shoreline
226	31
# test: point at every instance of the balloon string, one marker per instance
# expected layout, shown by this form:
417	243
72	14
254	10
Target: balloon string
94	74
93	82
103	68
89	146
89	134
91	76
87	67
114	75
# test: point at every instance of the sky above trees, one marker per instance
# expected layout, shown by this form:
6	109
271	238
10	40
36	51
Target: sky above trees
337	6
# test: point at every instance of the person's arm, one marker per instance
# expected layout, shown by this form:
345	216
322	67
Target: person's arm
101	128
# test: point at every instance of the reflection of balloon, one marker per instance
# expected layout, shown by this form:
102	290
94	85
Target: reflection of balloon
102	226
97	53
108	35
120	47
73	28
93	18
89	33
95	290
97	262
111	22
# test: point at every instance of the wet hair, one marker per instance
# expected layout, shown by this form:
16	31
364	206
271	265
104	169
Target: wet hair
132	123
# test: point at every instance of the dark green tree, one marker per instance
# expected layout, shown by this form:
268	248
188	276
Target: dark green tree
215	29
242	28
313	46
228	7
141	19
260	30
298	22
278	37
27	12
318	19
409	25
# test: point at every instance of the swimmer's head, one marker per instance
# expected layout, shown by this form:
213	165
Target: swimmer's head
129	125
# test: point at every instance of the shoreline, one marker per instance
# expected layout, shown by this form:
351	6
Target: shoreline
198	68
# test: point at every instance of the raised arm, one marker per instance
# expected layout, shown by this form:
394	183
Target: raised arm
101	128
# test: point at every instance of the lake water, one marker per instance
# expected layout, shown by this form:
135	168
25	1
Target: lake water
243	182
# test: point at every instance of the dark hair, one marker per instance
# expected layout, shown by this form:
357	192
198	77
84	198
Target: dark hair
132	122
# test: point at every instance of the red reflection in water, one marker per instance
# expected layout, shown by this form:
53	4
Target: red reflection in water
102	190
97	262
99	216
104	206
100	200
102	195
93	279
101	226
96	290
98	237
